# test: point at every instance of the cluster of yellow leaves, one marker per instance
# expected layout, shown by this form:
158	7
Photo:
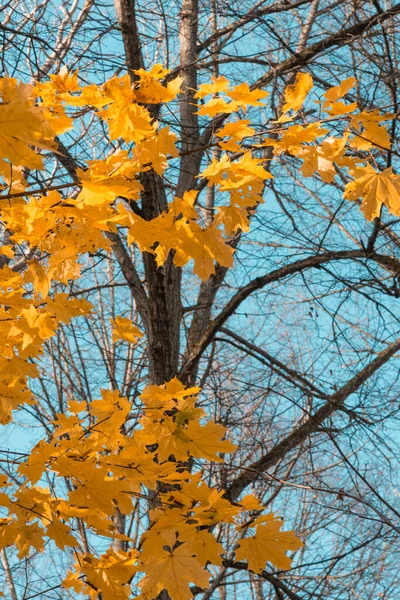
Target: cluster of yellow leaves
123	329
51	232
65	228
363	133
108	469
238	97
22	125
177	229
25	324
244	180
45	236
239	174
61	228
111	573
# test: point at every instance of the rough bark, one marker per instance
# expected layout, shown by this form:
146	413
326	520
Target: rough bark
190	161
126	15
162	284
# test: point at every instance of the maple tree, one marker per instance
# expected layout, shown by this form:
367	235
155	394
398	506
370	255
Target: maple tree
161	232
90	449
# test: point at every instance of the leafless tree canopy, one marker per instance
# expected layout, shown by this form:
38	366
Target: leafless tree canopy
296	347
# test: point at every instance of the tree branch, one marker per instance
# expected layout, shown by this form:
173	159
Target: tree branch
255	13
300	59
131	276
311	425
126	15
276	275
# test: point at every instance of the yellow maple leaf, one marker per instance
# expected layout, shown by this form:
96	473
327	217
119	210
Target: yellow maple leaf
110	574
373	134
156	72
149	90
13	176
369	131
14	393
244	96
315	161
35	325
216	169
205	547
7	251
40	278
34	466
268	544
32	221
230	145
125	117
154	150
292	139
22	125
76	406
219	84
73	581
185	206
340	108
64	308
63	81
184	236
203	245
321	158
4	482
338	91
169	395
91	95
67	424
213	507
49	98
9	279
8	532
169	436
375	188
96	489
296	93
236	130
233	218
217	106
60	534
29	536
124	329
173	571
111	411
204	441
107	179
250	502
249	165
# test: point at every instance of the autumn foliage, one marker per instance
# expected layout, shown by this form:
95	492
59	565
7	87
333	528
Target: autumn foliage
160	458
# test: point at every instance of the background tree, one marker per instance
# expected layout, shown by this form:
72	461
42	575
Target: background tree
292	346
